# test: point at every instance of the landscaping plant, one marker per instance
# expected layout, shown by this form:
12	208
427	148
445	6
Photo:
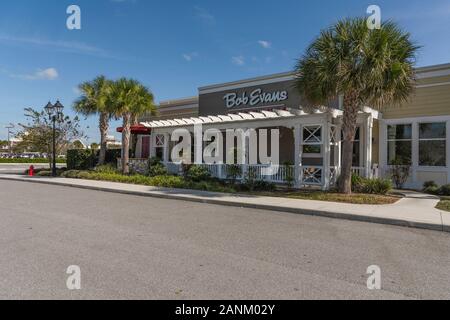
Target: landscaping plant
400	172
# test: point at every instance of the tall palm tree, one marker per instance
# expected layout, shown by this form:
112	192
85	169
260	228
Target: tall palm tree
130	99
95	100
367	67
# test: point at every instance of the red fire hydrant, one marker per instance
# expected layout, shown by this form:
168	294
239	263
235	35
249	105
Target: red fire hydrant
31	171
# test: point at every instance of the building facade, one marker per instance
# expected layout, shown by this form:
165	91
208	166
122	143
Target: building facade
416	134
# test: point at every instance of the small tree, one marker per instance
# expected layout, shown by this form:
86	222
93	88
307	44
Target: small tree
400	172
366	67
129	100
37	134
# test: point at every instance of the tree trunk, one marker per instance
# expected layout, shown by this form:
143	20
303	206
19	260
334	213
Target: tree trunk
126	143
349	130
134	139
104	126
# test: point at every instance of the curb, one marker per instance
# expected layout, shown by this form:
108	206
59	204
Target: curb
308	212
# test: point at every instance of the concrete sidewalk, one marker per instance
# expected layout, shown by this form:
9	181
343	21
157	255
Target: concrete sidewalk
415	210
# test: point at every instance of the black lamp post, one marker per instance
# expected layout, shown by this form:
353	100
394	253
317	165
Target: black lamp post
55	115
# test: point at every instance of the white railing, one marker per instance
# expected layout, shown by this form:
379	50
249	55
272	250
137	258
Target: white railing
360	171
312	176
274	173
136	165
280	174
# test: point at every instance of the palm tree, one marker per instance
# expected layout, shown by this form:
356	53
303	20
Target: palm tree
367	67
130	99
95	100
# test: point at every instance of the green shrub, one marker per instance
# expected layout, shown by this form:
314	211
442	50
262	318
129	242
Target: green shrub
261	185
290	175
198	174
169	182
80	159
70	174
432	190
371	186
250	179
156	168
30	161
48	173
444	190
377	186
106	168
357	182
429	184
111	156
234	171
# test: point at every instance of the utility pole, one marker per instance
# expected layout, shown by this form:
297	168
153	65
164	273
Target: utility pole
9	127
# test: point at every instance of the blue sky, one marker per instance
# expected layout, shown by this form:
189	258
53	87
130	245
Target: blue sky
174	47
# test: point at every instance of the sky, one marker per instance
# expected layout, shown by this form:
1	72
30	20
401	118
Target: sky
176	46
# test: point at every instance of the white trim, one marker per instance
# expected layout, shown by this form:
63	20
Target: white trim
326	153
448	151
417	119
368	146
247	83
432	74
414	150
433	85
189	106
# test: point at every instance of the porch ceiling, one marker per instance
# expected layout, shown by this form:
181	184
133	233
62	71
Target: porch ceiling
238	117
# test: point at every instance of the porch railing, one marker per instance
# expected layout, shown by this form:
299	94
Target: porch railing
280	174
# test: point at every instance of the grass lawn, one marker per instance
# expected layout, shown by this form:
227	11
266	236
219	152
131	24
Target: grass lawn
444	204
356	198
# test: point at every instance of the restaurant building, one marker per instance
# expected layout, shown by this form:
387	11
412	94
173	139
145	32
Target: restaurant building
417	132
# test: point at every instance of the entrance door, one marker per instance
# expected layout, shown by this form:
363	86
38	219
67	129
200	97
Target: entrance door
145	147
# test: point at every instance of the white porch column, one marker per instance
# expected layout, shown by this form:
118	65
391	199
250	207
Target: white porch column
298	154
368	127
338	150
245	154
326	140
415	153
166	155
152	145
383	148
448	151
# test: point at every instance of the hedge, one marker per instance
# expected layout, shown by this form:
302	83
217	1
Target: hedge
80	159
83	159
25	160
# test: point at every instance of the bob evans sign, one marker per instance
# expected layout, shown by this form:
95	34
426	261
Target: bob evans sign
256	97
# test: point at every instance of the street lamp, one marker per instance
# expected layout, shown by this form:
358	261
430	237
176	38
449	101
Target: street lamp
55	115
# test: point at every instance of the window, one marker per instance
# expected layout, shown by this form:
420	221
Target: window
312	149
432	144
312	141
312	135
400	143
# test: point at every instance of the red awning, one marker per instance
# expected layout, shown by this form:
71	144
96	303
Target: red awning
137	129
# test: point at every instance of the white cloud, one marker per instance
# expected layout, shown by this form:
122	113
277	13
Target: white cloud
68	46
238	60
265	44
204	15
40	74
189	56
